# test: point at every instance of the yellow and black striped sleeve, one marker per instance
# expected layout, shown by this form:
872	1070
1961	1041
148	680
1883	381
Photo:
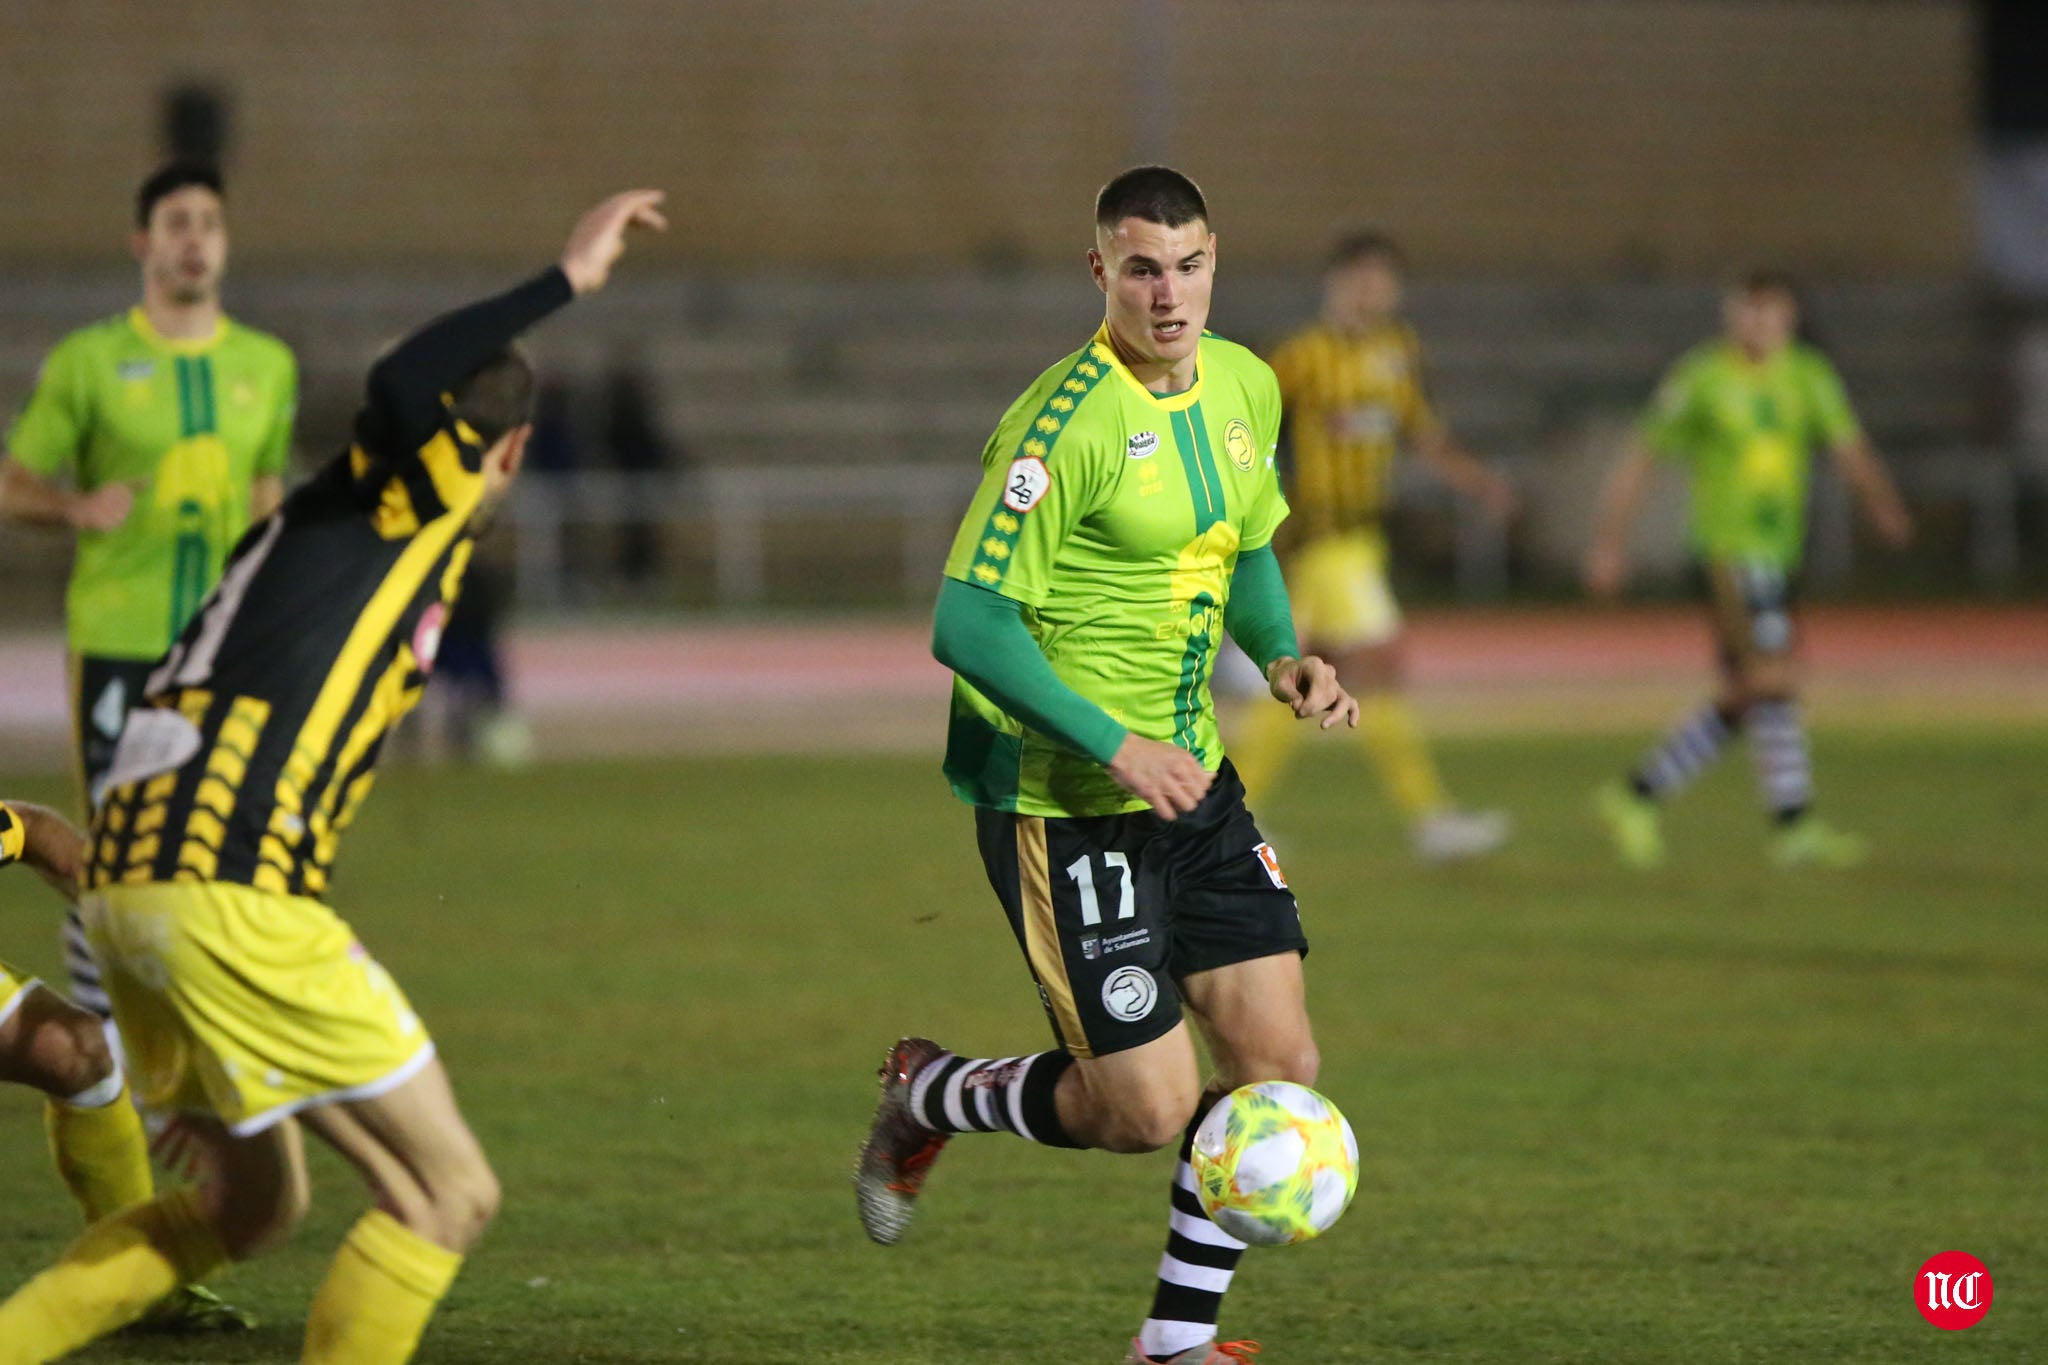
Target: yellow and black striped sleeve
411	452
13	835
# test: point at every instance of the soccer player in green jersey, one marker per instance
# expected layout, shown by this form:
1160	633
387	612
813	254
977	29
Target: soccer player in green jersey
157	436
1123	524
1742	416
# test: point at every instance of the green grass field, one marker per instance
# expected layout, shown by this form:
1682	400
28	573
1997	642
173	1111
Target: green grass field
1711	1114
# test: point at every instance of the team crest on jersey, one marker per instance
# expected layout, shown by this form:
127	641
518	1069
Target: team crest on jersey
1237	443
1143	446
1026	483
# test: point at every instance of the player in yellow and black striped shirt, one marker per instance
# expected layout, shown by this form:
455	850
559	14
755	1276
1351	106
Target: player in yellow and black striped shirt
244	1001
1353	386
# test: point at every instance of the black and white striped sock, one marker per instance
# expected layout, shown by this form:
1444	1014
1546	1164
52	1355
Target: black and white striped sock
86	987
993	1095
1689	750
1196	1269
1784	767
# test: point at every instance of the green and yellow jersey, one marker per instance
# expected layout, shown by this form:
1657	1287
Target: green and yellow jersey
1745	432
1351	398
193	424
1115	516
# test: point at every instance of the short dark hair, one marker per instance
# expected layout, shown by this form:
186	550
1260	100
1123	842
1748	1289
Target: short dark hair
1768	280
1366	244
1157	194
498	397
171	178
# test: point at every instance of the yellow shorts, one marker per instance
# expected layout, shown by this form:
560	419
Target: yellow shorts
1338	585
14	988
248	1005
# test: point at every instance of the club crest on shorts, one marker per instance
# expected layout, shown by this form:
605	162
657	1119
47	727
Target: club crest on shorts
1129	994
1143	446
1270	860
1237	443
1026	483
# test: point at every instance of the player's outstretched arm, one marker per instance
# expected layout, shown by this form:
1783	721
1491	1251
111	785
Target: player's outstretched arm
1864	471
1606	570
405	387
51	847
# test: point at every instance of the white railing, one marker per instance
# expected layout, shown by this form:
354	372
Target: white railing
735	507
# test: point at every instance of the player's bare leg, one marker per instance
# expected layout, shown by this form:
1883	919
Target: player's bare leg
252	1192
1254	1017
435	1194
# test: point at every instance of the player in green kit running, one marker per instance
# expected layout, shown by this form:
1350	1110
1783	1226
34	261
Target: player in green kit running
157	436
1742	416
1123	525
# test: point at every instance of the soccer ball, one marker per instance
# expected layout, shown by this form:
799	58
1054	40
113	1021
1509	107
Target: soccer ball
1275	1163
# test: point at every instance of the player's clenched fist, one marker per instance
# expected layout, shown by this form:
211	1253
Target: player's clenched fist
600	236
1171	780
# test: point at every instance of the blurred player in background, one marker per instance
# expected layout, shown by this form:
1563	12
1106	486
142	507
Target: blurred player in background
249	1006
1123	524
1742	415
157	436
1354	392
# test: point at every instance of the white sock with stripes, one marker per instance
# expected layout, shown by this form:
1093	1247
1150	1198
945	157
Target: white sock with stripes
1784	767
992	1095
1689	750
1195	1271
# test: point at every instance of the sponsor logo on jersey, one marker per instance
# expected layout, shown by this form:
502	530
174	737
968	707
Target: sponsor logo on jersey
1237	443
1026	483
135	371
1143	446
1129	994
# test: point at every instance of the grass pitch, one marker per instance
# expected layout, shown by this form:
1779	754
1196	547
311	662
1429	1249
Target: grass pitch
1712	1114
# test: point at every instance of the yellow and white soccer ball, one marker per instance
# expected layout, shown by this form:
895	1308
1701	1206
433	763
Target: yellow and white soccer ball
1275	1163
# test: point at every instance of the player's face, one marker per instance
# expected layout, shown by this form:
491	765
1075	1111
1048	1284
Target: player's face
1761	322
1157	281
1363	293
184	249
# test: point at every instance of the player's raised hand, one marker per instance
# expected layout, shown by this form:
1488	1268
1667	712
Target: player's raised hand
599	237
1894	524
1170	780
1309	685
102	509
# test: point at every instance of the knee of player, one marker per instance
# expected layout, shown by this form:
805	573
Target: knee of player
465	1204
1150	1123
1300	1064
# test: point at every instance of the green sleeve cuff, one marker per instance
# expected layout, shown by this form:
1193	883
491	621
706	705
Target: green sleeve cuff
1257	615
980	634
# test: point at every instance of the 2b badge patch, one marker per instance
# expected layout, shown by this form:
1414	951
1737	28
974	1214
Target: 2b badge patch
1026	483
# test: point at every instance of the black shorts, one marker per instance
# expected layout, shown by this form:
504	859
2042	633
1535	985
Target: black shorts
1113	911
102	692
1752	605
